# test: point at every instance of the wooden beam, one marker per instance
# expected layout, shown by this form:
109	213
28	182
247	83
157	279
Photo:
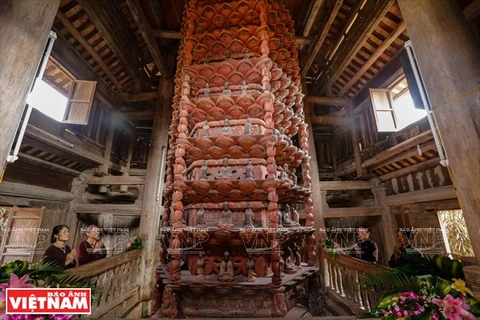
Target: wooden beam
323	35
303	41
332	120
411	169
116	180
157	12
135	97
401	147
146	31
115	209
472	11
33	192
107	19
139	115
46	164
373	58
372	13
328	101
346	185
353	212
317	4
78	36
428	195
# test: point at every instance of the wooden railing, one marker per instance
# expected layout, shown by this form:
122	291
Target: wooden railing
343	276
117	281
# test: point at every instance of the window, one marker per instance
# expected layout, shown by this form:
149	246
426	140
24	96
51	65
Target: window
393	107
48	100
455	233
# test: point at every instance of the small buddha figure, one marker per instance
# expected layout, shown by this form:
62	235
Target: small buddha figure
285	170
226	127
287	221
200	217
279	216
226	89
226	219
205	129
244	87
249	171
226	269
251	275
247	129
200	269
206	91
248	216
203	171
290	267
282	174
296	215
294	177
225	171
296	255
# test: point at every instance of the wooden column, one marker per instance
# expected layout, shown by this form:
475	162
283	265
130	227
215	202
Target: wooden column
151	209
355	142
449	60
107	153
24	26
314	174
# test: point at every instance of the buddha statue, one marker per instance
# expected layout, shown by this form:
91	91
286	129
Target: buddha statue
296	255
290	267
296	215
248	216
247	129
249	171
205	129
200	269
200	217
226	89
251	275
203	171
226	219
287	221
206	91
226	127
225	171
294	177
244	87
226	273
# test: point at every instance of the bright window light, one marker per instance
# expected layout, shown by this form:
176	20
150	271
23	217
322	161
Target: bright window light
47	100
405	111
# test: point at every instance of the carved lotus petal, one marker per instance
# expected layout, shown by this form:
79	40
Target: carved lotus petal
208	40
275	85
280	28
235	78
235	19
244	66
278	107
278	118
225	69
276	73
245	100
243	7
225	10
207	71
284	15
192	14
246	141
269	184
253	43
224	186
287	124
200	50
273	55
226	37
225	102
259	194
224	142
244	34
237	195
218	48
236	152
274	43
219	21
217	80
247	186
216	152
203	143
199	114
254	76
236	112
208	12
272	17
218	114
255	111
257	151
236	46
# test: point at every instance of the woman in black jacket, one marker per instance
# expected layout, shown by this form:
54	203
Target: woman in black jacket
404	245
365	249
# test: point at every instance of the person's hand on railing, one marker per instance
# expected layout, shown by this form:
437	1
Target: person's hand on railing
70	257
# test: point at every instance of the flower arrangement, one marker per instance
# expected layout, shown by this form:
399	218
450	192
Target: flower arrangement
20	274
412	294
134	244
332	247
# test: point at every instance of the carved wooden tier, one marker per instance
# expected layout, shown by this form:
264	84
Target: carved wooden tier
238	166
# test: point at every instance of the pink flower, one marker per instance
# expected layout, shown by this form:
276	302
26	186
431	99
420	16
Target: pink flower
15	282
410	295
452	308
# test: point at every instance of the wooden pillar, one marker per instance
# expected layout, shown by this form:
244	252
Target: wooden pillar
24	26
449	60
151	209
355	142
314	173
107	153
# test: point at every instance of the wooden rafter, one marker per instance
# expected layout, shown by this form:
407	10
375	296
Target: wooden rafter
384	46
78	36
327	101
319	42
312	17
372	13
134	97
332	120
116	34
146	31
472	11
157	12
